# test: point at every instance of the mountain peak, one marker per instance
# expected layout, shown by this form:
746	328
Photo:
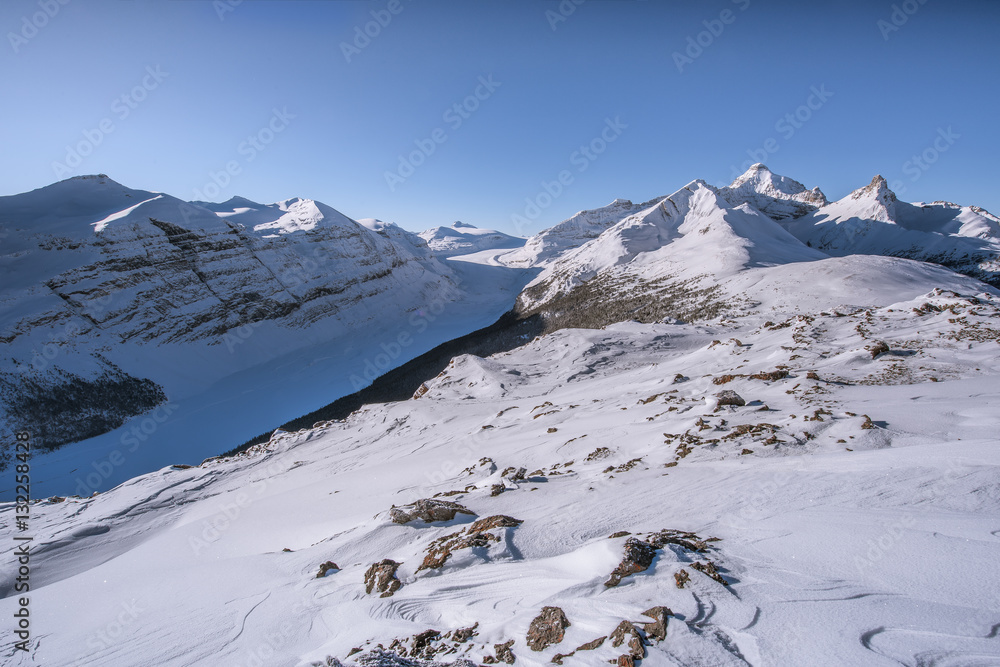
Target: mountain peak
778	196
877	189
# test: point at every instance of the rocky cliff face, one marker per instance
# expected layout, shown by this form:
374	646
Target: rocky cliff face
94	265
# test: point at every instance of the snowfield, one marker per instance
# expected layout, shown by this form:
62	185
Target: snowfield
854	496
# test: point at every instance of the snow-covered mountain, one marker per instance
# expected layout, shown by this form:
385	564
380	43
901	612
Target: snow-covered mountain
115	301
573	232
778	197
872	221
695	256
464	239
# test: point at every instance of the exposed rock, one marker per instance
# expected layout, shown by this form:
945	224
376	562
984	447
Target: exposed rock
475	535
620	533
770	376
558	657
867	424
462	635
686	540
326	567
547	628
730	397
681	578
625	660
876	348
497	489
658	628
708	568
812	375
495	521
421	643
591	645
638	556
598	454
381	577
504	654
626	632
428	510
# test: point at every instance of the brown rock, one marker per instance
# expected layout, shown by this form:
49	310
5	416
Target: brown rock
462	635
681	578
495	521
770	376
381	577
591	645
625	660
620	533
638	556
708	569
658	628
626	632
547	628
326	567
876	348
730	397
558	657
497	489
504	654
428	510
421	643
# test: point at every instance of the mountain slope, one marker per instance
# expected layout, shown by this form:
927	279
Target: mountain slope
778	197
571	233
818	524
464	239
695	256
108	289
872	221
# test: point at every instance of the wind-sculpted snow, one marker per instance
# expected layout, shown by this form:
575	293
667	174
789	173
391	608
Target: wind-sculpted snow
843	515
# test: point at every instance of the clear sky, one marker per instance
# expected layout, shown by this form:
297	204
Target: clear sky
297	101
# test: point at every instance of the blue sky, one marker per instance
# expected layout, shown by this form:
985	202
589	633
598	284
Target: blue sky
270	90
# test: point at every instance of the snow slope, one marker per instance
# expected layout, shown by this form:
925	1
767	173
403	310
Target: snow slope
855	513
571	233
465	239
872	221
